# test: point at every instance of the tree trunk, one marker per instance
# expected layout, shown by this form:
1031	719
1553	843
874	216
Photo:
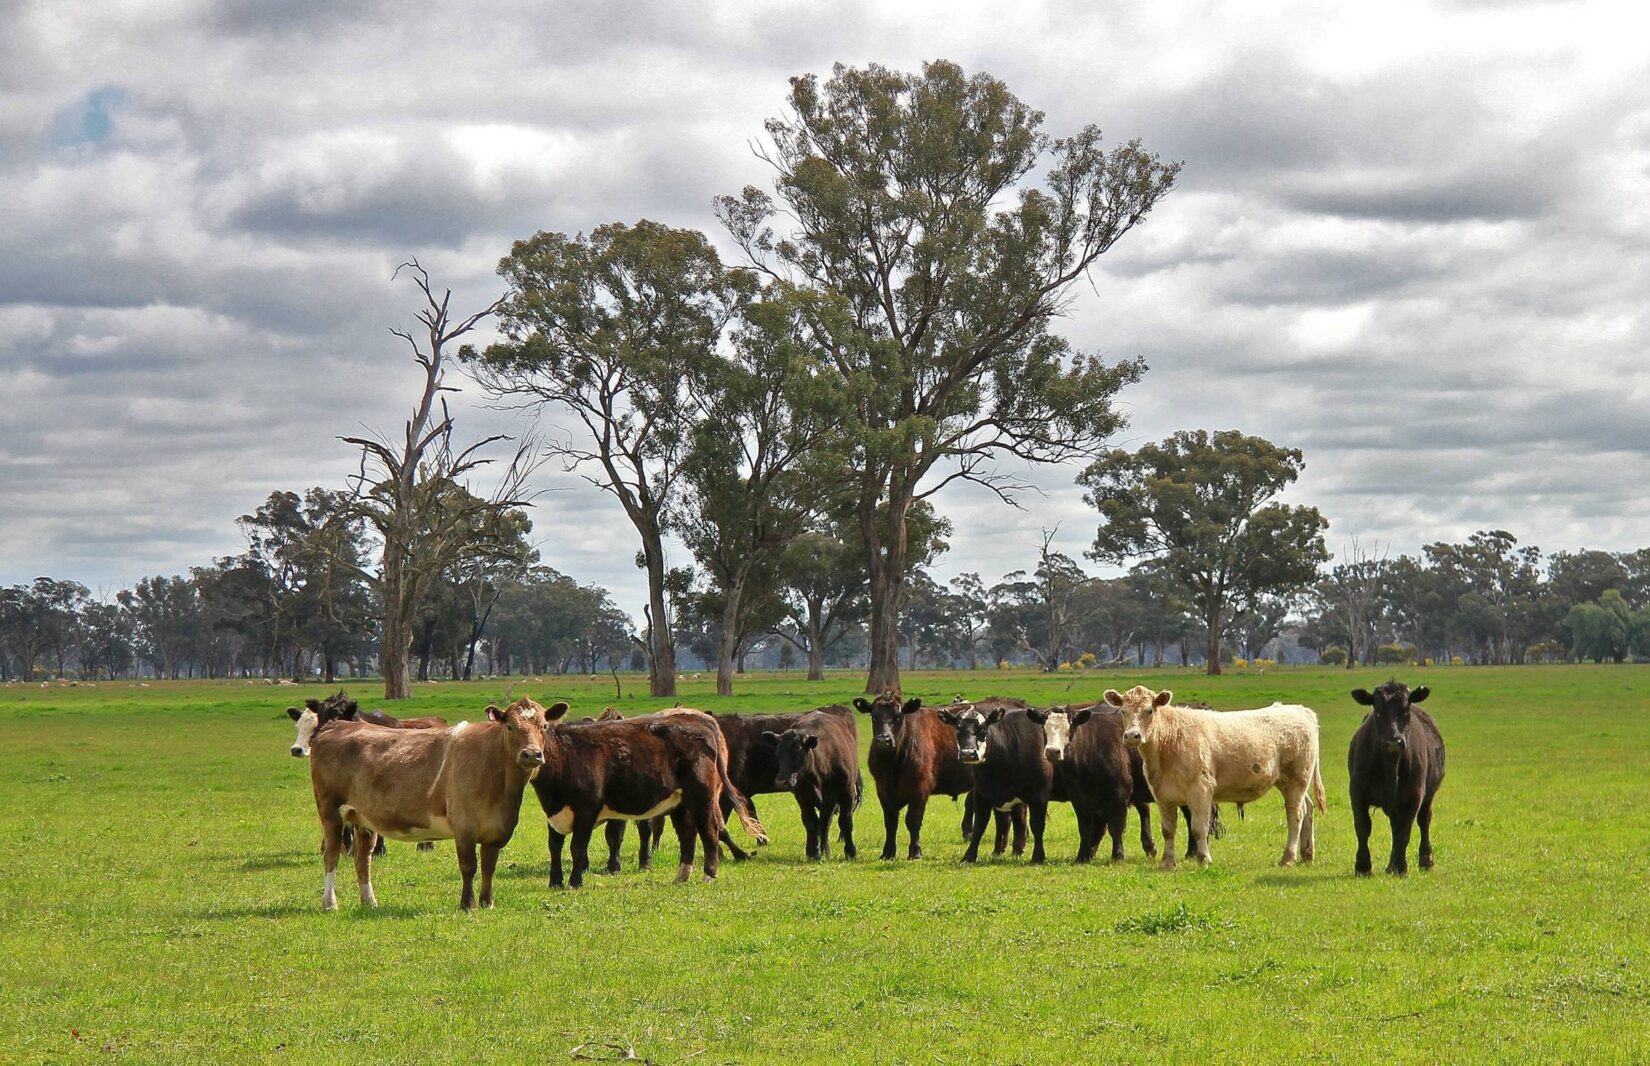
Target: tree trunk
662	643
328	666
816	658
1213	666
396	650
727	641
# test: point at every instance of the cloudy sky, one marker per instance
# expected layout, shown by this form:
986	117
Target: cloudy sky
1411	239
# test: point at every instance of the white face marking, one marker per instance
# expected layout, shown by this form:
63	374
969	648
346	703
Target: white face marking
307	724
1056	734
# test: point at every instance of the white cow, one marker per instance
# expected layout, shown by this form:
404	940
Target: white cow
1199	758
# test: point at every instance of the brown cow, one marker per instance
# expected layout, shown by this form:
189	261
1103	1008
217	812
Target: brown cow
635	769
462	784
647	832
340	708
914	756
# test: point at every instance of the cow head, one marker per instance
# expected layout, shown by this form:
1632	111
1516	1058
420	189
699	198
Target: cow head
972	726
887	712
1139	706
790	753
1390	711
1057	723
317	713
526	729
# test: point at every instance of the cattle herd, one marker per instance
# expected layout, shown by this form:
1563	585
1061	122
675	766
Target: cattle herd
422	780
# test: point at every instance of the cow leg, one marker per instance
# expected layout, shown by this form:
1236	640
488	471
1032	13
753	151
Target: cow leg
968	817
1017	817
1294	794
1085	832
1147	844
707	837
810	826
466	848
1000	841
489	862
725	804
583	826
1423	818
973	852
614	831
845	823
426	845
1167	813
827	812
1309	829
644	844
1117	824
332	845
684	838
1039	819
890	828
1402	822
913	825
365	839
1362	824
555	843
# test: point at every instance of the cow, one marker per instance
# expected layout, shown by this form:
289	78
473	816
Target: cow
1004	748
1197	757
1396	761
817	760
1099	775
462	784
751	765
914	756
647	832
340	708
635	769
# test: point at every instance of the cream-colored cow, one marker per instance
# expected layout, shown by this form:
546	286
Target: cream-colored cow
1199	758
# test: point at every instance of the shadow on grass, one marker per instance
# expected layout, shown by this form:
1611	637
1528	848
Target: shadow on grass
1317	877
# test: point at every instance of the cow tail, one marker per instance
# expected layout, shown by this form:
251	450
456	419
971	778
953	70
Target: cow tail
1317	784
740	804
859	788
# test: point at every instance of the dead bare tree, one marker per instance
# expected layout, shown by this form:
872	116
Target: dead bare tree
412	491
1351	597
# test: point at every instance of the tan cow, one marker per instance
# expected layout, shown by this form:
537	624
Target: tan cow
462	784
1198	758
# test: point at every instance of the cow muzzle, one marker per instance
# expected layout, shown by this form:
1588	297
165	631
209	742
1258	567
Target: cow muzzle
298	753
970	756
1133	738
1054	754
1393	747
791	781
531	757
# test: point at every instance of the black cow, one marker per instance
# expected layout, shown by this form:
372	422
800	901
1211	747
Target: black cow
1097	774
817	759
1396	761
751	766
1005	750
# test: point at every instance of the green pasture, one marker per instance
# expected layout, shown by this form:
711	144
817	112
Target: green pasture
160	901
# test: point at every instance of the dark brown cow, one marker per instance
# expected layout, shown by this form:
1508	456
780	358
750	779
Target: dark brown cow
914	756
647	832
817	760
1396	760
751	765
1097	774
462	784
634	769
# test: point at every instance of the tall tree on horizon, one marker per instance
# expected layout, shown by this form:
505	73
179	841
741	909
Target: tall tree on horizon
912	207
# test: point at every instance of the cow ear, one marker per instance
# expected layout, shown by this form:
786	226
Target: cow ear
768	739
995	716
1362	695
1418	695
1036	716
912	705
555	711
314	705
1163	699
351	708
862	704
494	714
1082	716
948	717
1114	697
294	713
810	742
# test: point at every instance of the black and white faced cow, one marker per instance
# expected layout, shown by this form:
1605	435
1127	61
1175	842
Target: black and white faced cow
1005	749
1097	774
817	760
1396	761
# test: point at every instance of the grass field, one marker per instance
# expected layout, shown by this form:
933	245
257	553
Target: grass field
160	883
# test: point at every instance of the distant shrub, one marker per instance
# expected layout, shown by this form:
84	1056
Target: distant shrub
1239	663
1263	664
1087	660
1002	664
1064	666
1334	655
1455	660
